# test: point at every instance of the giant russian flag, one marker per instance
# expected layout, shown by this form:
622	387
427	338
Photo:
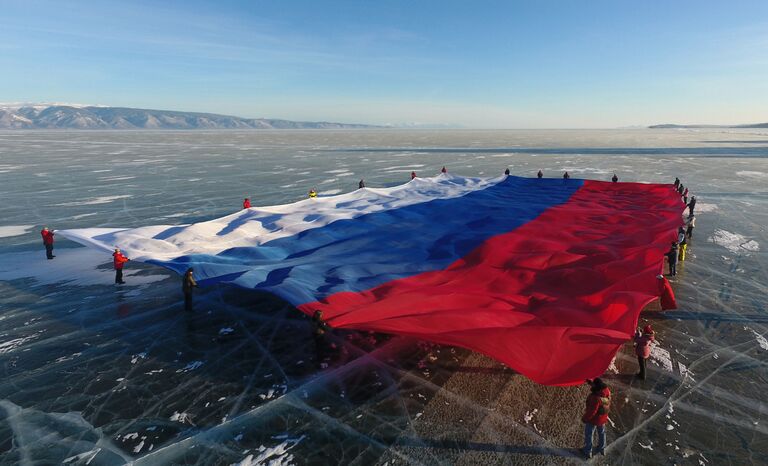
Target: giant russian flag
545	275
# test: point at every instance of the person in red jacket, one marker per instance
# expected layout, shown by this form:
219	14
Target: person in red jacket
413	175
666	295
595	416
119	259
443	170
643	348
246	203
47	242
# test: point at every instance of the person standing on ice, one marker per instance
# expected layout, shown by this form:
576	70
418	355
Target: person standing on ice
47	242
643	348
666	295
691	225
685	195
566	176
677	182
615	178
672	259
312	193
691	205
187	283
682	244
246	203
444	170
506	172
361	184
540	175
118	260
413	175
598	405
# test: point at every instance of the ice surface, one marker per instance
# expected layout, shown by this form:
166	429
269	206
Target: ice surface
69	333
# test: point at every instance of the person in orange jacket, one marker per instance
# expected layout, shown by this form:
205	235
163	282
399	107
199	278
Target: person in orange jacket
643	348
246	203
598	404
47	242
118	260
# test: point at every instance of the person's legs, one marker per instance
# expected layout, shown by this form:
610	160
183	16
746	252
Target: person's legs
119	276
49	251
188	300
601	440
589	429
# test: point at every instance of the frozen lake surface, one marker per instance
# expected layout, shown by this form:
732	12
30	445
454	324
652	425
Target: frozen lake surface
93	374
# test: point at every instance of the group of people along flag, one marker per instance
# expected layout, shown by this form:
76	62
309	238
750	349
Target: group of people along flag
331	309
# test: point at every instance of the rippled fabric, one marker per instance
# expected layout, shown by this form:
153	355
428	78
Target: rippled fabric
546	275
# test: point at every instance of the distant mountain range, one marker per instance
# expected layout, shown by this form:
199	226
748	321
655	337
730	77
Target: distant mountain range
673	126
74	116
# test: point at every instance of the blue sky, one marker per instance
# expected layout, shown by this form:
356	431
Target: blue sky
506	64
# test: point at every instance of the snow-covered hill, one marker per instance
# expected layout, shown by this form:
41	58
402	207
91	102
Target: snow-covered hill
74	116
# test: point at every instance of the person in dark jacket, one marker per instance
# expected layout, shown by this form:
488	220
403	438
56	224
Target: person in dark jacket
691	205
615	178
598	405
318	333
643	348
361	184
118	260
444	170
672	259
413	175
677	182
540	174
187	283
506	172
47	242
680	189
685	196
246	203
566	176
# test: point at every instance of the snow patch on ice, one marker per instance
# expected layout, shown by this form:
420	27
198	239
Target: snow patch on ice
184	418
191	366
761	340
661	357
87	456
734	242
752	174
701	207
15	343
272	456
94	201
14	230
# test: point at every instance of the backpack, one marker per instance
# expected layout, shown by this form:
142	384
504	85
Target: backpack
605	405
